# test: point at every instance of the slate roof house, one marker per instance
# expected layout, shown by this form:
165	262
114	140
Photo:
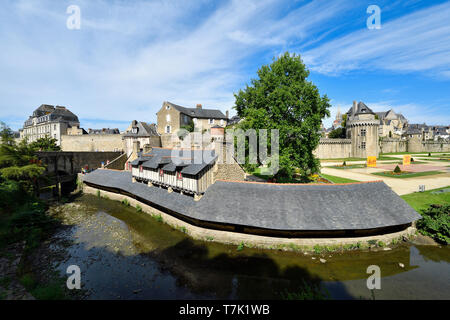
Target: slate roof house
188	171
51	121
172	117
142	132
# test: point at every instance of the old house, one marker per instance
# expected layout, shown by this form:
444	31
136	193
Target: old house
49	121
186	171
142	132
172	117
391	123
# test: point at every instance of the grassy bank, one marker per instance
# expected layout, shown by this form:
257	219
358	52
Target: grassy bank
422	200
335	179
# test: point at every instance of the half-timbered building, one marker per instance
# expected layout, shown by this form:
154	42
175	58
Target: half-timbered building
187	171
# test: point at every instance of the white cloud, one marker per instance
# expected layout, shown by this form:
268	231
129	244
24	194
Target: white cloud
130	57
419	41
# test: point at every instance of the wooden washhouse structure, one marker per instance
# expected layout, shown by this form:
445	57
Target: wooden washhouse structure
188	171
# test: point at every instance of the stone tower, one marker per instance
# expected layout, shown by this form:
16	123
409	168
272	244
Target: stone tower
362	129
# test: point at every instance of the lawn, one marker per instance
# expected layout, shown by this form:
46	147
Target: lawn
405	175
422	200
358	159
335	179
400	153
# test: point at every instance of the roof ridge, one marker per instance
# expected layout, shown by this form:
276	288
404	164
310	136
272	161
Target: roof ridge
300	184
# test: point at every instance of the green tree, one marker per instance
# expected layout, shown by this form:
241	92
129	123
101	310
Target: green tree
282	98
338	133
18	162
45	144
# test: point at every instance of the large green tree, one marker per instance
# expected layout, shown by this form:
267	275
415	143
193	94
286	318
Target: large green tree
45	144
282	98
18	161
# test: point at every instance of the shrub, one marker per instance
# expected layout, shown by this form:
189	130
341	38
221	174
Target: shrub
138	208
397	169
126	202
344	164
241	246
436	223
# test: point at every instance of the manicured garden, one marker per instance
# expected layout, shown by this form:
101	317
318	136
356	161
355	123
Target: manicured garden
405	174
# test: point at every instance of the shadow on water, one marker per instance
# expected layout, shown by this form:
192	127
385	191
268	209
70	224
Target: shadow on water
125	254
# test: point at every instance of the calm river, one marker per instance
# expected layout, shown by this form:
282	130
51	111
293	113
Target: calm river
125	254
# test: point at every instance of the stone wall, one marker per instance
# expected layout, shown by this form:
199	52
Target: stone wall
387	145
92	142
417	145
72	162
333	148
412	145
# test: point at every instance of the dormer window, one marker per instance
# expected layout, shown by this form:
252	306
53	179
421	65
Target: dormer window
211	121
134	130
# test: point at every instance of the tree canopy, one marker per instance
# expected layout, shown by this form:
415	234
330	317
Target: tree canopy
282	98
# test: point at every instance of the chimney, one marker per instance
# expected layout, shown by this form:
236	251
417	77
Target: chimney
136	147
199	106
355	106
227	114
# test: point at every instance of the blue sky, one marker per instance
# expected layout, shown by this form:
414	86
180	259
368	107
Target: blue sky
130	56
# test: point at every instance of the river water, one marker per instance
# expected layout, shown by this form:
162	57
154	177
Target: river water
125	254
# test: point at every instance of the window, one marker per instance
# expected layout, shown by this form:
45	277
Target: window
221	122
363	132
179	176
168	129
195	120
161	172
168	118
141	169
167	107
186	119
211	121
363	145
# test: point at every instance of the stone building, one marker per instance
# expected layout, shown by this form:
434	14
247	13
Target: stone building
51	121
142	132
362	129
391	124
172	117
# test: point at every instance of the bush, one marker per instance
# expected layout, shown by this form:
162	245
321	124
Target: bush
436	223
397	169
344	164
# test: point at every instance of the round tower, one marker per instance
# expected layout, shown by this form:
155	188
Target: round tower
362	129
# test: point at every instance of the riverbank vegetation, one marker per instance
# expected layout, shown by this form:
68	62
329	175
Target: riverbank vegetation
434	207
23	217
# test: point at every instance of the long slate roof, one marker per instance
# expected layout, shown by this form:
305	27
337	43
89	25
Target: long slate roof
277	206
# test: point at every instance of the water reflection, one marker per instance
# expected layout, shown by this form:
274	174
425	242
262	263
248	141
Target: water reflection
125	254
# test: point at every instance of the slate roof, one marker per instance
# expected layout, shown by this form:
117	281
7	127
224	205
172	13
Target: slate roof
199	112
361	108
56	113
144	129
276	206
192	161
